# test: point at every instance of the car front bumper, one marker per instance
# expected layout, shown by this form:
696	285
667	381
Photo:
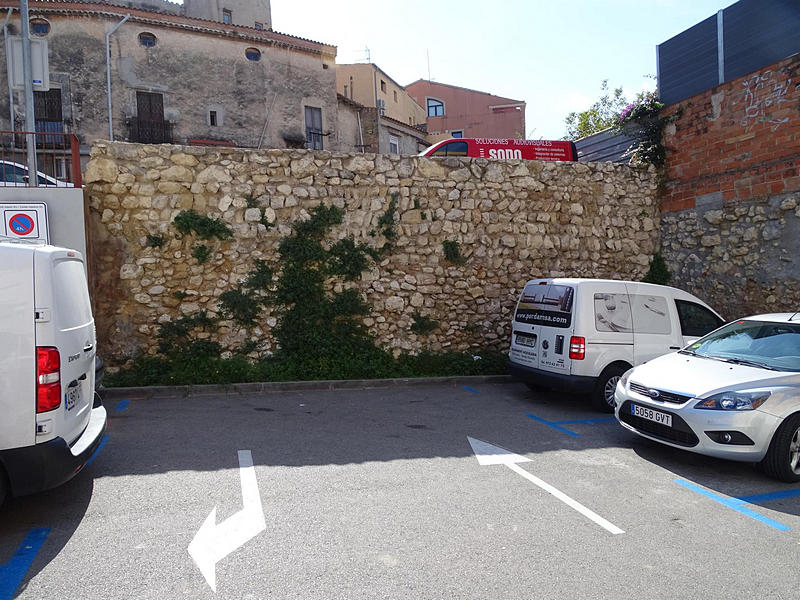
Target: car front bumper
695	429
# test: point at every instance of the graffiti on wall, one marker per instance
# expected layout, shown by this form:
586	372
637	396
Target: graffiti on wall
762	94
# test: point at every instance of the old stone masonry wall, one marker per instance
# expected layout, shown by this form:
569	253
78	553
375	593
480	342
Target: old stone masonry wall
513	221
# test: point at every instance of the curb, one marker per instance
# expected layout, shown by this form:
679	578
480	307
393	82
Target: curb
182	391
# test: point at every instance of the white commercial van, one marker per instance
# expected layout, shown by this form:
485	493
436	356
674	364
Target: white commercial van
52	421
581	335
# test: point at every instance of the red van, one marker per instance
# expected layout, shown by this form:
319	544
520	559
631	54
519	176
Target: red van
502	149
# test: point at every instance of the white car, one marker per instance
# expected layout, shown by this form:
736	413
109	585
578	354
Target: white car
16	175
733	394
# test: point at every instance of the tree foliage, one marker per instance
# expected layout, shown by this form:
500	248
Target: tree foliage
599	116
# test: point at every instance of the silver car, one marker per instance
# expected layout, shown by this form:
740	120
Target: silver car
733	394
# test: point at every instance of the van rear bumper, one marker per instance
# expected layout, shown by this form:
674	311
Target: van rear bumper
43	466
573	384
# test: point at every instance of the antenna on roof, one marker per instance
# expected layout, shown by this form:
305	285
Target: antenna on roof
366	49
797	314
428	54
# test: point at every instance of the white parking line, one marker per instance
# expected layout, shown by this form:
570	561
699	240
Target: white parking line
487	454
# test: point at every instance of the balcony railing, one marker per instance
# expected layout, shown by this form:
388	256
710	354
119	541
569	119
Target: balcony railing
149	132
58	160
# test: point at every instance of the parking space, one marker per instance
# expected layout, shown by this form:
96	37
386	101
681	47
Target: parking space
425	491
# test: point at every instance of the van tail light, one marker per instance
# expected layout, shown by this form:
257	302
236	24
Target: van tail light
48	379
577	347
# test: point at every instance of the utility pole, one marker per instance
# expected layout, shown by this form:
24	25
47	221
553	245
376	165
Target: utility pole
108	75
27	71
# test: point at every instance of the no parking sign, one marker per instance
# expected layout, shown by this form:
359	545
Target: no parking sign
25	221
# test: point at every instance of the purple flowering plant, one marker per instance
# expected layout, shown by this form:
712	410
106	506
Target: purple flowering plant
641	120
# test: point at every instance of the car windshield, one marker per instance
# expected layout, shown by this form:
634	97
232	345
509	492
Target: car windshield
766	344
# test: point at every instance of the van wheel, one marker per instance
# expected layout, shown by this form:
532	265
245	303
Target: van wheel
783	457
603	395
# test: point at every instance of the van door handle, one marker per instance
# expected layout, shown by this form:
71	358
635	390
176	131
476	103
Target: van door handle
88	347
674	347
82	377
73	383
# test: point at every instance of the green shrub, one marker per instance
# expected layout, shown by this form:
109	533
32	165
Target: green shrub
452	252
190	221
658	272
423	325
202	253
155	241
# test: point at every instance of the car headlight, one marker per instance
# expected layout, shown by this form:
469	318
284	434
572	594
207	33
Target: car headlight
623	381
734	400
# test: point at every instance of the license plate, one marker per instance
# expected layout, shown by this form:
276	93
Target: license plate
651	415
526	340
73	397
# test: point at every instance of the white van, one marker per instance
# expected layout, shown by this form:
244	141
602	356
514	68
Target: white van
52	421
581	335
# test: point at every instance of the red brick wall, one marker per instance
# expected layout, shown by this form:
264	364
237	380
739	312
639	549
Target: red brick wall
740	139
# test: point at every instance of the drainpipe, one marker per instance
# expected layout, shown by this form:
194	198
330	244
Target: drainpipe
360	133
10	91
108	74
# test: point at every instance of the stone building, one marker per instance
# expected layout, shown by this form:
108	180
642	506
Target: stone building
205	72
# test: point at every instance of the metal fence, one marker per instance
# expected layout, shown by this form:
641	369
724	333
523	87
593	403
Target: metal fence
738	40
58	162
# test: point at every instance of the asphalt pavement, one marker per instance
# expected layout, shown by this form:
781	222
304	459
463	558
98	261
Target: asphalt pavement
453	489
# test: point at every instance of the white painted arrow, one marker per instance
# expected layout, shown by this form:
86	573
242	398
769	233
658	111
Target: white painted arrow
213	541
487	454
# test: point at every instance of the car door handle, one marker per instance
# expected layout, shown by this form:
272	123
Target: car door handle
674	347
88	347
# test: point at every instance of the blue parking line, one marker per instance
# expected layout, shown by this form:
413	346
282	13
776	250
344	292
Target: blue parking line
771	496
13	572
736	504
469	389
96	452
122	405
553	425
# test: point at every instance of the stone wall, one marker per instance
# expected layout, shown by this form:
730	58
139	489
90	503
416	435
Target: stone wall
731	226
512	220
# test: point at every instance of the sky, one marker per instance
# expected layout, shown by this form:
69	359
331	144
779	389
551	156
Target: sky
554	54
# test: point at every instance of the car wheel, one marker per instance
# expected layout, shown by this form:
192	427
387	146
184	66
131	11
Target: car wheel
783	457
603	395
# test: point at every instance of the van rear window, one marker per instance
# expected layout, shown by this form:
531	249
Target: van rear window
548	305
72	306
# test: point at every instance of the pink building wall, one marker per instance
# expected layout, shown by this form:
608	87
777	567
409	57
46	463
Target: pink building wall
477	114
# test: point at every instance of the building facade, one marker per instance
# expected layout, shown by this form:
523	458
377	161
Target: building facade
178	78
454	111
368	85
364	129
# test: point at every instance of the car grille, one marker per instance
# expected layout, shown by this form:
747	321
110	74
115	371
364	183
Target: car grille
663	396
680	433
